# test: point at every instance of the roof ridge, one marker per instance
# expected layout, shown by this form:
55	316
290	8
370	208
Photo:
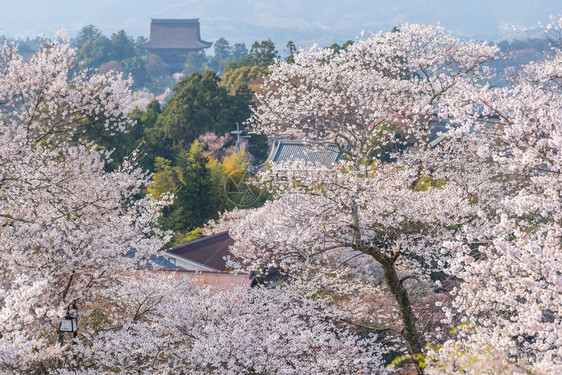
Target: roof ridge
199	240
175	20
195	271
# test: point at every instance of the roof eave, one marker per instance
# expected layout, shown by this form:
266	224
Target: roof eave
197	264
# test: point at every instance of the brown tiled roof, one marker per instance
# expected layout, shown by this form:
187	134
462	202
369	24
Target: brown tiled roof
219	280
209	251
175	34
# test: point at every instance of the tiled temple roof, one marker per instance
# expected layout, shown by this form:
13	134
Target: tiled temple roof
286	150
175	34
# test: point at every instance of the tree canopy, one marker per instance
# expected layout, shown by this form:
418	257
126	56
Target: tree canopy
199	105
79	242
432	246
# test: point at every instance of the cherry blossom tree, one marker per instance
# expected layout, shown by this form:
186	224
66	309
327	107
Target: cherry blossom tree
362	96
510	296
173	327
66	223
483	206
73	236
553	31
372	225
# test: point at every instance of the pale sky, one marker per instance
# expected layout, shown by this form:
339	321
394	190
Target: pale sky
303	21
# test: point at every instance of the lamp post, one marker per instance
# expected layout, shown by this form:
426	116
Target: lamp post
69	323
239	135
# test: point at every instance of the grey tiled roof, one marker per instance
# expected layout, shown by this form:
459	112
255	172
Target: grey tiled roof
286	150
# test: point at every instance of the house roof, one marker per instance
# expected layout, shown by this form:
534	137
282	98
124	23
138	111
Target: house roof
208	251
220	280
158	260
175	34
285	150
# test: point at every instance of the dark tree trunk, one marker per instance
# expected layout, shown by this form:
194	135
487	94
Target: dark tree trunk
409	332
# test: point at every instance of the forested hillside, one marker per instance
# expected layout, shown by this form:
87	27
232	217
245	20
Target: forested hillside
185	140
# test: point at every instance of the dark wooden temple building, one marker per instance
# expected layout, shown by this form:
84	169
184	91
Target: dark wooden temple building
173	39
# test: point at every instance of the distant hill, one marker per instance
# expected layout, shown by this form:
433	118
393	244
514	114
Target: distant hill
518	53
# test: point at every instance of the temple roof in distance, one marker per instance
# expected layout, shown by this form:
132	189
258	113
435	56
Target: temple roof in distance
175	34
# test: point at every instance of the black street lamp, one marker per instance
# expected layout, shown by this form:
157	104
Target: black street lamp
69	323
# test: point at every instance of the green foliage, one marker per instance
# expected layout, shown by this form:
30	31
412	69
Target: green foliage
196	190
291	49
417	358
153	143
165	179
233	65
425	182
152	112
195	63
27	45
262	53
222	49
337	48
190	181
233	79
223	53
122	144
87	33
239	52
232	170
183	237
258	148
120	52
95	52
140	40
167	137
198	182
199	105
94	49
158	79
135	66
539	45
123	46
